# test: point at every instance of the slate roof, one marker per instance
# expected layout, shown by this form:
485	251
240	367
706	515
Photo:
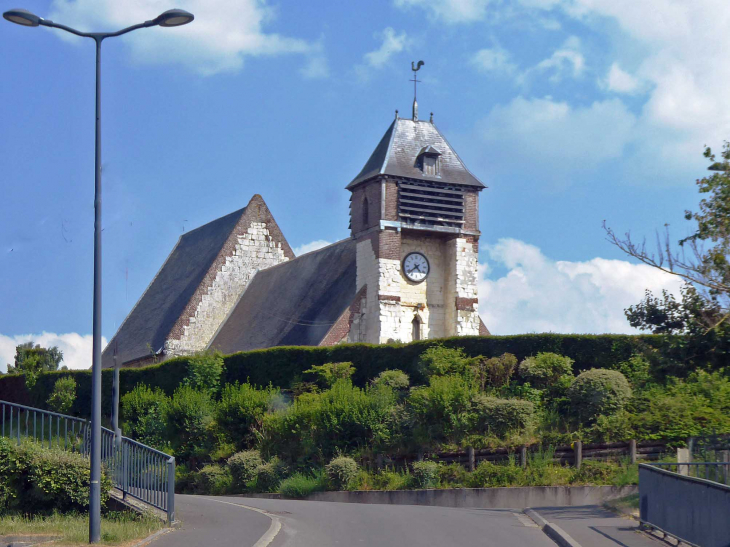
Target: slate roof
294	303
154	315
397	151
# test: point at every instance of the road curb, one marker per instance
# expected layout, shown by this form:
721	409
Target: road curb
152	537
553	531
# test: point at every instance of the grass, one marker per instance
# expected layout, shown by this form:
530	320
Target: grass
628	505
300	485
117	528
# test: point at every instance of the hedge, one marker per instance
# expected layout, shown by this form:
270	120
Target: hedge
281	365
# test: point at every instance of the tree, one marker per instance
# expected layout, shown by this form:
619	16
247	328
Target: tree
702	260
64	394
31	360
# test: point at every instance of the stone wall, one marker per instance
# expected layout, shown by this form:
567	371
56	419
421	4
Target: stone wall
255	250
466	277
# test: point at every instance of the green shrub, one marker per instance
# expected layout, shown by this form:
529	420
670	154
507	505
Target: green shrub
488	475
190	423
596	473
394	379
425	474
697	406
546	369
213	479
144	412
63	394
453	475
269	475
329	373
599	391
204	372
243	466
637	370
499	417
441	361
496	371
385	479
42	480
241	411
341	472
299	485
442	410
318	425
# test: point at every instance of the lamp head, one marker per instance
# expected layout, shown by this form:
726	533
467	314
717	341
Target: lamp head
174	18
22	17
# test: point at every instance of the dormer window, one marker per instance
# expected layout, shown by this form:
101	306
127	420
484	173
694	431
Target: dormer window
429	160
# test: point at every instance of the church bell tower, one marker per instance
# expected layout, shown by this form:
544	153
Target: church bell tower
414	214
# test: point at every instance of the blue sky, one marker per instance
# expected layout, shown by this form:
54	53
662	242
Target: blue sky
571	111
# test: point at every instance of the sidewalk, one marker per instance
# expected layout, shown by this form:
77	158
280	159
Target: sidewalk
594	526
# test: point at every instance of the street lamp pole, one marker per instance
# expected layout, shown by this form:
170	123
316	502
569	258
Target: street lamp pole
170	18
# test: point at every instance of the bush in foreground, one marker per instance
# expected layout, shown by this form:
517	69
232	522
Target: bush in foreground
499	417
426	474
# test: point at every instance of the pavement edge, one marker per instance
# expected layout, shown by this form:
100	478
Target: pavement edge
273	530
553	531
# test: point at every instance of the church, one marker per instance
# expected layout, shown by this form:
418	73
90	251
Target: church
407	272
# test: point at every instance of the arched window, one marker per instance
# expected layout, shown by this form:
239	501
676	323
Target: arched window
365	212
416	327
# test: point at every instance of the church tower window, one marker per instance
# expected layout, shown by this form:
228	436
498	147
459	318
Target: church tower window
365	212
416	327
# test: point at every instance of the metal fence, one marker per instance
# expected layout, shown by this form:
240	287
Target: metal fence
711	471
137	470
689	501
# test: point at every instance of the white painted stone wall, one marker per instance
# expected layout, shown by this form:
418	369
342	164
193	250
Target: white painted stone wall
428	296
467	262
381	320
255	250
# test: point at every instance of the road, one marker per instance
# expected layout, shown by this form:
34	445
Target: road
223	522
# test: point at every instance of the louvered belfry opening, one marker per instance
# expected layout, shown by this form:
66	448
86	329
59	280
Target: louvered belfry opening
430	204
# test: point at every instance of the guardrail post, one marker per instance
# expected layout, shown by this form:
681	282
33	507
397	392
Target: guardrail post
725	458
578	451
632	450
472	458
170	491
523	456
683	457
125	471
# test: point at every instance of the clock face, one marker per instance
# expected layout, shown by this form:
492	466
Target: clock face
416	267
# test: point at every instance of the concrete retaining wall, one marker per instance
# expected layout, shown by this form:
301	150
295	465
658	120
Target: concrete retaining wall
487	498
694	510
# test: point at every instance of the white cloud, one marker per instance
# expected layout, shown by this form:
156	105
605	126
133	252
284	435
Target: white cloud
554	136
450	11
621	81
566	59
494	59
76	348
538	294
392	43
223	34
311	246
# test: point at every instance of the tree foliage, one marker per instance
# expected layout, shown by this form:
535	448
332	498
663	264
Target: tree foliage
64	394
31	360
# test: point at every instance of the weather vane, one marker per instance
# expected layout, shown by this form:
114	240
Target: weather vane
415	68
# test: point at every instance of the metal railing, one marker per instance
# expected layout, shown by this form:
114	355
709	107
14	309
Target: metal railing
712	471
137	470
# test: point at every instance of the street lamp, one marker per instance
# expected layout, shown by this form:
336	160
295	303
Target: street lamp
170	18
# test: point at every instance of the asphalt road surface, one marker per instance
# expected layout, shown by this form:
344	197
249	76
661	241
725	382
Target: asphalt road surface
223	522
593	526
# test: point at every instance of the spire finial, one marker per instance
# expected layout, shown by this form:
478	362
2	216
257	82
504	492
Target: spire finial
431	120
396	113
415	68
